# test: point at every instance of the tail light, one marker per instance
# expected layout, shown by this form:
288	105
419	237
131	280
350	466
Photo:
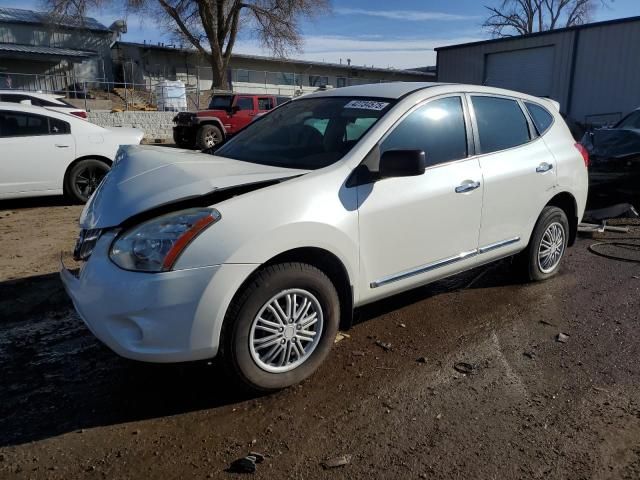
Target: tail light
79	113
584	152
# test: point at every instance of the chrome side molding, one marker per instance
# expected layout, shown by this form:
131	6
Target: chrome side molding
494	246
441	263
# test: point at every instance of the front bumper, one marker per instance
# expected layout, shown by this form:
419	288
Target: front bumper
156	317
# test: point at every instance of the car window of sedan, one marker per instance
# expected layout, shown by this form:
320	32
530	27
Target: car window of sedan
58	127
437	128
18	124
16	98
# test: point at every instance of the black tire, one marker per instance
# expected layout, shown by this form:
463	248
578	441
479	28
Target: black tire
83	179
531	264
208	136
267	283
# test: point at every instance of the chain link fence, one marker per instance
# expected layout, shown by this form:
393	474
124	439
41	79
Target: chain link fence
135	89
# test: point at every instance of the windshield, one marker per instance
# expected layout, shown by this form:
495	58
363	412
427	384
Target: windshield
220	102
307	134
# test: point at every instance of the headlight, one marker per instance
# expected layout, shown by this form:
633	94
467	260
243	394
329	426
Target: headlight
155	245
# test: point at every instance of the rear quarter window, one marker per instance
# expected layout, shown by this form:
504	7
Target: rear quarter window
501	123
541	117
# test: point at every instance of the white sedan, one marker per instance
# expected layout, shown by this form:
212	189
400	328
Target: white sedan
50	153
50	101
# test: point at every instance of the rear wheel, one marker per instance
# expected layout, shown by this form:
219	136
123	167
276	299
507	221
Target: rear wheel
548	243
281	327
208	136
83	179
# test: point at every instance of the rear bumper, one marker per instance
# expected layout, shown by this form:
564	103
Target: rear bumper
155	317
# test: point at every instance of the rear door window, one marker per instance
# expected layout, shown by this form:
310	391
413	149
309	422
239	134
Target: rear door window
265	103
437	128
541	117
18	124
501	123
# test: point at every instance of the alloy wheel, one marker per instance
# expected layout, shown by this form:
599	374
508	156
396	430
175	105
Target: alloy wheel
286	330
88	179
551	247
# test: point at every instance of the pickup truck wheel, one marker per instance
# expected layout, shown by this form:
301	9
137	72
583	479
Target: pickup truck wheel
208	136
83	179
281	327
548	243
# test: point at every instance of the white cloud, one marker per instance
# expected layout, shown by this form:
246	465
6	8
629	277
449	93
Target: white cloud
390	52
410	15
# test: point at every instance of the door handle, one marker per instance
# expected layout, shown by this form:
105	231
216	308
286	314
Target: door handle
467	186
544	167
59	145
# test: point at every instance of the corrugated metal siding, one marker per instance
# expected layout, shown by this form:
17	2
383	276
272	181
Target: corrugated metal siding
607	69
607	76
529	70
16	15
467	64
97	66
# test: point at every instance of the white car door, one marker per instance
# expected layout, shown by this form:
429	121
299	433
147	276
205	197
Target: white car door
416	229
36	150
518	170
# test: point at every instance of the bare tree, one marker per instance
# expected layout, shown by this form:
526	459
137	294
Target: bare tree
521	17
212	26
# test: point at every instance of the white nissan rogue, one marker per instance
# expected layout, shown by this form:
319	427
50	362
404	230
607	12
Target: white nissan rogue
329	202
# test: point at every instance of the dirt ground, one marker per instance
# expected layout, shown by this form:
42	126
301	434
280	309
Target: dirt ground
528	406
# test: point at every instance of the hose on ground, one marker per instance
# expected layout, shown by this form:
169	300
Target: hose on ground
596	249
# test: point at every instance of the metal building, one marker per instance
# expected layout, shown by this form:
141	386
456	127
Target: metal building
593	70
37	52
147	64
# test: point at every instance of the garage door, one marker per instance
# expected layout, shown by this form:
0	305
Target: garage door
527	71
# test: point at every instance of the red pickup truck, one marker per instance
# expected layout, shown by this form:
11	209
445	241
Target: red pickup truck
226	115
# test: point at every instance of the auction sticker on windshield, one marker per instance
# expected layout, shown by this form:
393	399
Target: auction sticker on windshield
366	105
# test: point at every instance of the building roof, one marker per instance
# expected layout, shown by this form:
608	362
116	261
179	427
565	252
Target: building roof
540	34
16	15
38	50
283	60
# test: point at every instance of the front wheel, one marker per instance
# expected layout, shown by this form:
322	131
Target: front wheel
547	245
208	136
83	179
281	327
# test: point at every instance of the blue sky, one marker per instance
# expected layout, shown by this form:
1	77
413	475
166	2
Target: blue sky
397	34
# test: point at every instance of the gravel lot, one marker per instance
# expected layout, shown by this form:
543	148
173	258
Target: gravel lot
528	406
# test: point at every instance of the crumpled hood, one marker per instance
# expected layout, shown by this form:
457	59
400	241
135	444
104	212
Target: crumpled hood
146	177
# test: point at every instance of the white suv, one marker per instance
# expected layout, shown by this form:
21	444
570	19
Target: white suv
329	202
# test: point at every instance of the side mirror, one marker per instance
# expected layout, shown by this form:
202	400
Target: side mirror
402	163
234	109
